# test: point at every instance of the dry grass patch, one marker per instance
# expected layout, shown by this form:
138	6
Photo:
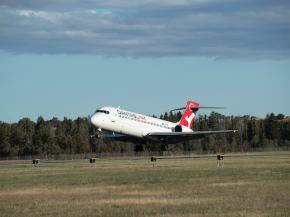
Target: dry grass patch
231	184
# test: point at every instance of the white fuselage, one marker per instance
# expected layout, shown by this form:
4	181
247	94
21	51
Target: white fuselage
130	123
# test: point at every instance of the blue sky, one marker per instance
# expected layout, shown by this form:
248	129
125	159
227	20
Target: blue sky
59	59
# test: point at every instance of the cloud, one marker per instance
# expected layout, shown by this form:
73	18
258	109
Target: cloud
221	29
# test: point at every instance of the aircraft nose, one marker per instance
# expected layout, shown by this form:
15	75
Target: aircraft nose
94	120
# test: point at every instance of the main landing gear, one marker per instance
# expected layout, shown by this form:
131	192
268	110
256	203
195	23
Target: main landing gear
164	147
139	147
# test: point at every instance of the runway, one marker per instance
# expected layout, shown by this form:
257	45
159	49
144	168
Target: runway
148	158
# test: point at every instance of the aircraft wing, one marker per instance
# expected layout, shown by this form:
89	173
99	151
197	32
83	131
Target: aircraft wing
174	137
189	133
118	137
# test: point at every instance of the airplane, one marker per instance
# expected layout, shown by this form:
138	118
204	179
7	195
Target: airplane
136	128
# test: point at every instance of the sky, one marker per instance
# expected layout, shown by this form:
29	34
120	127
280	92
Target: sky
68	58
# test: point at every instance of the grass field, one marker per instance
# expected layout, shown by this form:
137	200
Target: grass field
244	186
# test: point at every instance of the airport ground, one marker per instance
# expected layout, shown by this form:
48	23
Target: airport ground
246	185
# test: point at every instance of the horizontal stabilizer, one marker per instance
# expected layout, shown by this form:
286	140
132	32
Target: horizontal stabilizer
202	107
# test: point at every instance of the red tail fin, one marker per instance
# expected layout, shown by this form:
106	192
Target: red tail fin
189	114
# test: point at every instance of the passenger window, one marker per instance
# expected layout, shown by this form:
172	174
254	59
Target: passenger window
108	112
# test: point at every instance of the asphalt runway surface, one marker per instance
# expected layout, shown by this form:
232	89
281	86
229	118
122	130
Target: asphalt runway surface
148	158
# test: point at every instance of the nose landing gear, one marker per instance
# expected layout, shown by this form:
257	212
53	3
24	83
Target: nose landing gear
98	133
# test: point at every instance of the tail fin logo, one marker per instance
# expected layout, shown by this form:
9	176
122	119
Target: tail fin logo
189	115
189	119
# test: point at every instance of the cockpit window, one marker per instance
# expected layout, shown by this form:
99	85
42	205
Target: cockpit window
102	111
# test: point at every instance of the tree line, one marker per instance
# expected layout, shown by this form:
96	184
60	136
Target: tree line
73	136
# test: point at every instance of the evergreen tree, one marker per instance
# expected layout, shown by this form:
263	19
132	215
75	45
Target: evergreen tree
272	130
62	142
262	134
252	129
233	136
286	132
166	118
70	143
211	121
245	131
2	138
280	116
117	147
39	129
178	116
171	117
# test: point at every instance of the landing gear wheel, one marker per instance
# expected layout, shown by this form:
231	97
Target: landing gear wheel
139	148
164	147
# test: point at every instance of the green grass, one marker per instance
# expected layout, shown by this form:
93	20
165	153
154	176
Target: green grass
244	186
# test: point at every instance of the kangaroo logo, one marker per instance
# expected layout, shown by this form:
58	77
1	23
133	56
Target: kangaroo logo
189	119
